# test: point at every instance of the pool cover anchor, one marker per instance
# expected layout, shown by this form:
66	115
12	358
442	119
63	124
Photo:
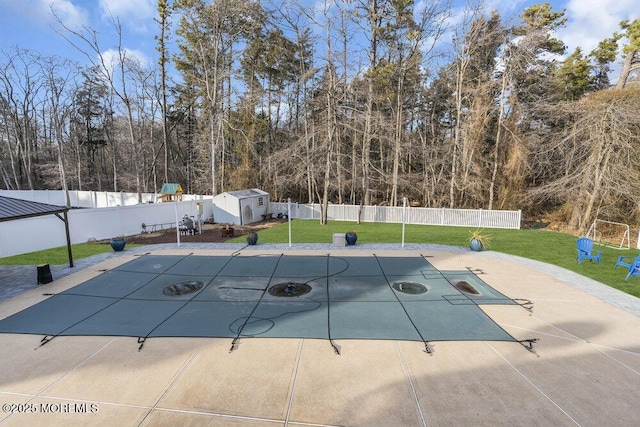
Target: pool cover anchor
141	341
236	253
476	271
45	340
528	344
428	348
336	347
524	303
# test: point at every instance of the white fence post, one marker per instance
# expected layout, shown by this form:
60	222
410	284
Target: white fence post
177	224
404	217
289	218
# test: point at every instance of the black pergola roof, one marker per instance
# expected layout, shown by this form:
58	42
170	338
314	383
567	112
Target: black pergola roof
12	209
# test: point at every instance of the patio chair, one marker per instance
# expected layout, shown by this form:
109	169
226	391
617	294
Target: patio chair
622	263
634	266
585	250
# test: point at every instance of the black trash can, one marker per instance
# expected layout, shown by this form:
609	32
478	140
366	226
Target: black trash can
44	274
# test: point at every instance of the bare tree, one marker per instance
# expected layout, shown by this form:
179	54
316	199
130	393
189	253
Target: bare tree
163	22
294	18
117	74
596	170
209	33
60	87
20	83
330	90
374	15
412	38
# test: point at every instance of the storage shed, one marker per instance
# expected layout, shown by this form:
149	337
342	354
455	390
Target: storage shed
241	207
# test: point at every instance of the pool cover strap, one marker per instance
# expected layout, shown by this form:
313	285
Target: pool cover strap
336	348
141	340
48	338
427	348
234	344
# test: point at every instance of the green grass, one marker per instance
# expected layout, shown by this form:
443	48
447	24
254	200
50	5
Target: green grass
58	256
542	245
546	246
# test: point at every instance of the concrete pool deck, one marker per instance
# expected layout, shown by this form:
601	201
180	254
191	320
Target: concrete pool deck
585	369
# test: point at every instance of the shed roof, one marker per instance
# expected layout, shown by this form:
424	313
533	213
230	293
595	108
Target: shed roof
244	194
11	209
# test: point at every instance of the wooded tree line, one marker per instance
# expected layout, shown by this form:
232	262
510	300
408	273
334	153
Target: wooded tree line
360	102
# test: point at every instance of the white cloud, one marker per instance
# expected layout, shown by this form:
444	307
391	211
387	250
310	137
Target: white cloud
140	9
39	13
71	16
136	14
589	22
112	58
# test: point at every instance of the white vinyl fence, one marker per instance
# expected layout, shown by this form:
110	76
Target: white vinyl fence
80	199
32	234
425	216
87	199
124	216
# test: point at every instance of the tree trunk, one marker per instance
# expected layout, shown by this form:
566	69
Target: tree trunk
595	191
494	172
368	118
397	141
627	67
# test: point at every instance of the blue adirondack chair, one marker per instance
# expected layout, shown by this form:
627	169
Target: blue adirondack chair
626	264
585	250
634	266
634	270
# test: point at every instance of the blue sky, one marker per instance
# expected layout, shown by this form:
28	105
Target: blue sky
28	24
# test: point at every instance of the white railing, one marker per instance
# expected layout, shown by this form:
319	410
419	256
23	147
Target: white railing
425	216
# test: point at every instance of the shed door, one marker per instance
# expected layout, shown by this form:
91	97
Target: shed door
247	214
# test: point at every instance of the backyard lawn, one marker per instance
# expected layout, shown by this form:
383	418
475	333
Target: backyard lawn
59	255
542	245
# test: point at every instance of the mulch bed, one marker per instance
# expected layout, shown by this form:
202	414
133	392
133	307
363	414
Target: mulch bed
211	233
